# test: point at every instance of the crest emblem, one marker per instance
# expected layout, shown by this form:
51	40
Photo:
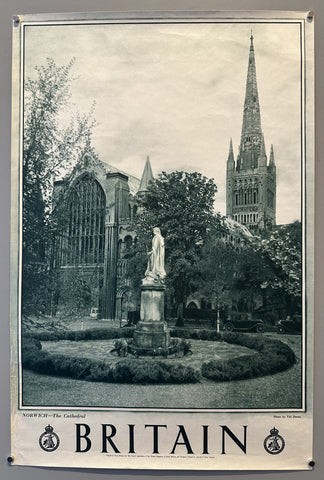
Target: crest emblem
49	440
274	443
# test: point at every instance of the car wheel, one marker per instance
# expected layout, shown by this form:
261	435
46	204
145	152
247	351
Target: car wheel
281	329
260	328
229	327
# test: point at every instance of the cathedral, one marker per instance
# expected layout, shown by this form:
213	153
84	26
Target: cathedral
96	204
251	180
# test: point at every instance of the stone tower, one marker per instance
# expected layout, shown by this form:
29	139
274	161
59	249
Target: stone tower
251	182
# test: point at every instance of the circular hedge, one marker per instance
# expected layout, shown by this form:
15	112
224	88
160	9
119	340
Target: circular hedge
270	356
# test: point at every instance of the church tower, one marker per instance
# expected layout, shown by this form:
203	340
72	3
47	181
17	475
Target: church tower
251	182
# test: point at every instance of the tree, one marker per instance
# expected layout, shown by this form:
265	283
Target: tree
281	250
224	273
218	266
47	150
181	204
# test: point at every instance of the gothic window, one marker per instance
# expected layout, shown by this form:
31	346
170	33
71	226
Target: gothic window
85	234
119	249
270	198
128	242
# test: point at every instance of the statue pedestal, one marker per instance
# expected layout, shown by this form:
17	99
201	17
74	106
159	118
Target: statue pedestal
151	332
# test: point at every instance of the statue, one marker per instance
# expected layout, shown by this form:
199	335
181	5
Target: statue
155	266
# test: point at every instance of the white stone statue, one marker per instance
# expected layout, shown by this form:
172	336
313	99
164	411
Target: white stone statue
155	266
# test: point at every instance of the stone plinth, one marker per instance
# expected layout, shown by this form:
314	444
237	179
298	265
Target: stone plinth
152	303
151	331
151	335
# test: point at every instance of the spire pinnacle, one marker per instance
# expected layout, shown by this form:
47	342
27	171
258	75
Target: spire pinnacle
230	158
147	176
262	150
271	160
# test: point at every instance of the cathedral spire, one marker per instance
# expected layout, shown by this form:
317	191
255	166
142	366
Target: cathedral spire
251	114
251	136
147	176
251	186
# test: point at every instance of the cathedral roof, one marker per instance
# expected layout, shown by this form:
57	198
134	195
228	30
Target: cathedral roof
133	182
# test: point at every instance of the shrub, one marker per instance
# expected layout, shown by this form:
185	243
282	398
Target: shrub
194	334
152	372
272	356
121	347
90	334
126	371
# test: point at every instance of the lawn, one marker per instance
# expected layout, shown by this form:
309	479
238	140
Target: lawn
282	390
202	350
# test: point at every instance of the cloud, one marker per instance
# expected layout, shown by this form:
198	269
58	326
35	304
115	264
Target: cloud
176	92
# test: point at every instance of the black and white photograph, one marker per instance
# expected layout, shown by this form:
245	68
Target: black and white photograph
163	220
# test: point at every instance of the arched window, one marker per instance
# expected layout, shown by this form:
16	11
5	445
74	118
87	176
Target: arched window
85	234
119	249
128	242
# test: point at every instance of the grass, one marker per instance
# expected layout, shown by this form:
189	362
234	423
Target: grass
282	390
202	350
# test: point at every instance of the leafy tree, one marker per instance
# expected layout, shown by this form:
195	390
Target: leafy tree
217	265
181	204
224	267
281	250
47	150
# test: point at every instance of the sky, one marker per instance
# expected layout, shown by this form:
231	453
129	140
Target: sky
175	93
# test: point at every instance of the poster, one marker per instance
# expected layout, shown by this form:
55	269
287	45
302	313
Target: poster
162	241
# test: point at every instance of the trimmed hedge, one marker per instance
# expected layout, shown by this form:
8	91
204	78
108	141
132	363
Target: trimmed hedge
125	371
201	334
271	356
90	334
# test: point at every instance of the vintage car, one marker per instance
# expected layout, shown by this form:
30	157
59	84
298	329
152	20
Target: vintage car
244	323
94	313
290	325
